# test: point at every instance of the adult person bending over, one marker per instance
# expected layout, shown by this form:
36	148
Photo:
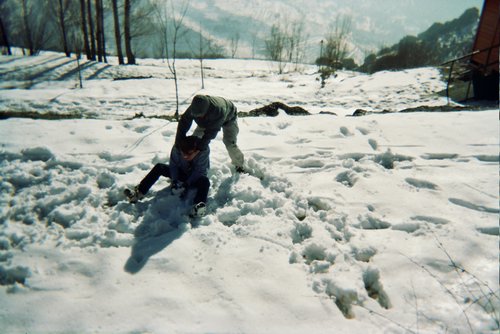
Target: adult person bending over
211	114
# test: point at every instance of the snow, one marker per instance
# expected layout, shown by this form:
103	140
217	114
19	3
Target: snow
386	223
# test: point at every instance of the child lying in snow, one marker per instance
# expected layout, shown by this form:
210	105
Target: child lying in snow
188	169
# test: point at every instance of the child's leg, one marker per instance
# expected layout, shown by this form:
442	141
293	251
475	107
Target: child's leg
153	176
201	185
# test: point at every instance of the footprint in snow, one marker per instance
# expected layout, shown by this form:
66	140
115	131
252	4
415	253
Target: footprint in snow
370	222
345	131
373	143
487	158
421	184
439	156
472	206
417	222
363	131
347	178
493	230
374	287
345	296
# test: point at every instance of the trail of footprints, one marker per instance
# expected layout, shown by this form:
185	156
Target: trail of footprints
388	160
340	271
337	268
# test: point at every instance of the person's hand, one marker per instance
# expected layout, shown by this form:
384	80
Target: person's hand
178	188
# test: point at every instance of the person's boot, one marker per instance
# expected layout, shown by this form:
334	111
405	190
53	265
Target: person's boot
198	210
133	195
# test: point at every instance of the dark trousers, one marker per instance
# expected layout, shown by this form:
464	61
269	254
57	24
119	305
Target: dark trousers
201	185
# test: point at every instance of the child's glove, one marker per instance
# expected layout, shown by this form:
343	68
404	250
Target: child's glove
178	188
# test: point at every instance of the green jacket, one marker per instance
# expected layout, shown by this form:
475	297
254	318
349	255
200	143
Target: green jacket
220	112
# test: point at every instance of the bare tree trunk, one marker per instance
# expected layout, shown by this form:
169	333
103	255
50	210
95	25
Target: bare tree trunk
118	36
201	61
176	22
60	16
5	41
27	29
92	35
275	46
337	46
103	37
84	29
98	34
79	69
300	41
235	39
128	37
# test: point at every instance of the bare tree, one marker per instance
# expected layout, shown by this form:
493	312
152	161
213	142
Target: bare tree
254	43
337	46
85	34
34	25
61	18
206	48
142	27
75	40
275	46
170	25
98	33
128	35
200	57
100	40
118	36
297	43
4	39
235	39
28	37
91	32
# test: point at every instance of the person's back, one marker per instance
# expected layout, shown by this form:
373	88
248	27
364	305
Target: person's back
211	114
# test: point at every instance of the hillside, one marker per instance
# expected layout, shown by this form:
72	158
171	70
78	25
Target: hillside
436	45
222	23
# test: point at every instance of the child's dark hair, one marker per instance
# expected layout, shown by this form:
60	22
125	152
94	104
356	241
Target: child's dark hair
189	144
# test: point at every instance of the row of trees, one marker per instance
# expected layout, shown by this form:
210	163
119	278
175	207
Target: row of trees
66	25
101	27
410	52
287	43
79	26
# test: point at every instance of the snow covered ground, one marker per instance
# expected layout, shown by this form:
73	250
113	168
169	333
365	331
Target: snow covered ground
386	223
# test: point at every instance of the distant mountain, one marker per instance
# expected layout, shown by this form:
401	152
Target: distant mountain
438	44
374	23
454	38
240	28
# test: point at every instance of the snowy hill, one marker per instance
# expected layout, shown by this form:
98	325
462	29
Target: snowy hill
386	223
374	23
